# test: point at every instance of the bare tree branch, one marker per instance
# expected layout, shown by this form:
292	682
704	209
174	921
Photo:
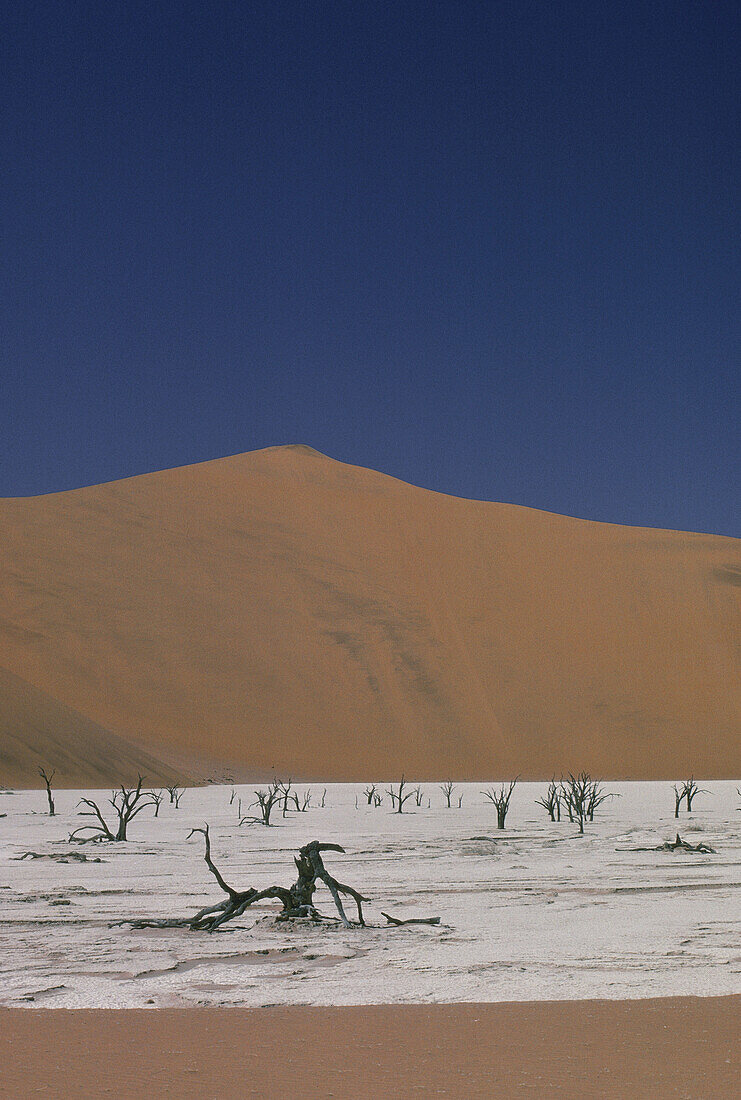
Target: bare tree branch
127	802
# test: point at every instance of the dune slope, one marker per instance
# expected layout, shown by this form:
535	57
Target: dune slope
279	610
37	731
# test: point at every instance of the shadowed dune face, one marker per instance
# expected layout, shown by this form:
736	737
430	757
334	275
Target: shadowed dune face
37	731
279	610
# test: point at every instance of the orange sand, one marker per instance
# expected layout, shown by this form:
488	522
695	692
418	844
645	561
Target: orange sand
280	610
613	1050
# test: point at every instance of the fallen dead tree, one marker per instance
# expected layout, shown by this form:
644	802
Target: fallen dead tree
297	900
61	857
673	846
396	922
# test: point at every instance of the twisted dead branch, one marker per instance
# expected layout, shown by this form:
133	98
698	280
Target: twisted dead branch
297	900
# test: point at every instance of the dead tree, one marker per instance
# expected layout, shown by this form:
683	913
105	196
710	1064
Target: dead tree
691	789
418	796
324	798
369	793
595	799
283	791
176	793
398	797
232	796
679	796
501	799
447	788
582	795
460	801
551	801
303	804
157	797
574	795
47	781
377	800
127	802
265	800
297	900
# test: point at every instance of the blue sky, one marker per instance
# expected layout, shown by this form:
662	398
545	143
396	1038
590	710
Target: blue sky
488	248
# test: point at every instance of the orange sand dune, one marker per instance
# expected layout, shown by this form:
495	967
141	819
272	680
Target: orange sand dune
37	731
280	610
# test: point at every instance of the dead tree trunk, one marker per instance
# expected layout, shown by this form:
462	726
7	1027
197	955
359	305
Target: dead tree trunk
297	900
679	795
47	781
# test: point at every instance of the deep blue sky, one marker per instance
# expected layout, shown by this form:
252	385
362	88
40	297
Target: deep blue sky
490	248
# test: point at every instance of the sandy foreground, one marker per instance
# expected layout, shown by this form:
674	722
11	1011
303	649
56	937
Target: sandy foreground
677	1047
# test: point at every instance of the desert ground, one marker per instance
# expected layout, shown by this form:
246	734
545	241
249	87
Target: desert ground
562	964
533	912
279	611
